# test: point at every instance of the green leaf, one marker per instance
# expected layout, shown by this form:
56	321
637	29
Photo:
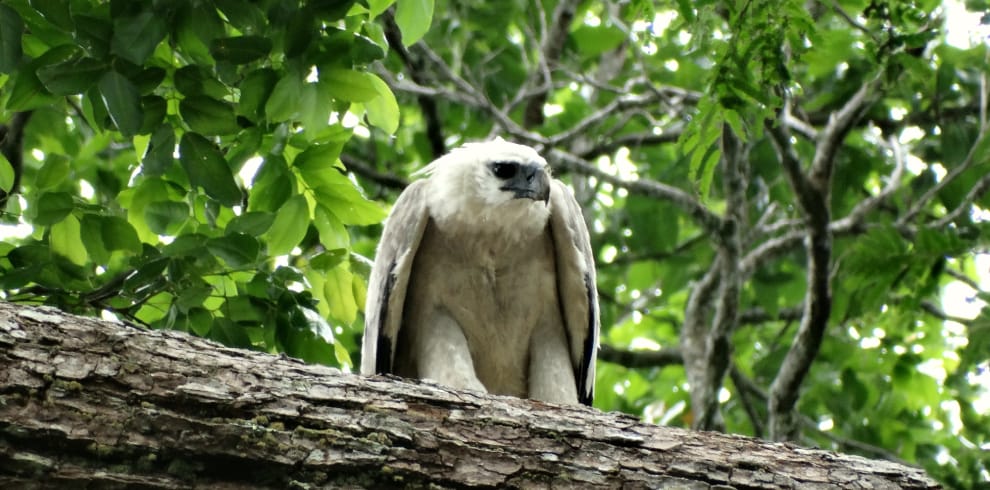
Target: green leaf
93	35
245	16
52	207
11	29
240	49
206	167
413	18
64	240
236	249
340	295
592	41
26	92
154	109
317	158
299	30
252	223
255	90
272	186
195	30
333	233
53	173
148	273
197	80
376	7
342	197
383	111
71	77
54	11
166	217
349	85
341	355
6	175
206	115
315	109
135	37
289	226
122	101
159	156
118	234
283	104
91	235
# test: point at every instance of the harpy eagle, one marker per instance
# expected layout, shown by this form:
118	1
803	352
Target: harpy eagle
484	279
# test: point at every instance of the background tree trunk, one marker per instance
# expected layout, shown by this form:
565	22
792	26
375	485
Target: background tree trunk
85	402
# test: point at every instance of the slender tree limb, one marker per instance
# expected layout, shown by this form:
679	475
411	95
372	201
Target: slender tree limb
669	356
963	278
619	104
708	220
12	148
839	125
431	116
935	311
626	259
956	171
364	170
745	388
859	212
759	315
553	47
975	193
850	20
694	343
632	140
718	345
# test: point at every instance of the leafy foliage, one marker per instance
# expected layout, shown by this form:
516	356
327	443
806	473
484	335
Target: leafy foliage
146	120
201	165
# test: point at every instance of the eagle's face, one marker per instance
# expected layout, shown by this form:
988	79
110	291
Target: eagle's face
494	182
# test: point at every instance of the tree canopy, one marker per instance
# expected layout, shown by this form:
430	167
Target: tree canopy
787	199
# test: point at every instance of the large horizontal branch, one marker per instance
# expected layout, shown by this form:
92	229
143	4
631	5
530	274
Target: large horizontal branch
92	403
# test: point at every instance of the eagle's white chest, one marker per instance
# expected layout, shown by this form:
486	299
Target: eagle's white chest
498	285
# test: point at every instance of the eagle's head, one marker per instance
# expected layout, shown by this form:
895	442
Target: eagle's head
491	183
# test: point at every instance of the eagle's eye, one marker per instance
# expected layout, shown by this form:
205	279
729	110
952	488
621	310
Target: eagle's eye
505	170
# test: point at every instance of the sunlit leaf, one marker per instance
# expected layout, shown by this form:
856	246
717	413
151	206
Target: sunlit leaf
383	111
52	207
414	18
289	227
340	295
349	85
6	175
64	240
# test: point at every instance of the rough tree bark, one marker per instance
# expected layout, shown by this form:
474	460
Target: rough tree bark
90	403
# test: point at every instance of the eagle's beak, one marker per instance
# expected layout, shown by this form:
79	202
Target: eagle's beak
530	182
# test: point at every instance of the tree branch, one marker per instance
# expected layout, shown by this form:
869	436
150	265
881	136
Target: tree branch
96	404
812	191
